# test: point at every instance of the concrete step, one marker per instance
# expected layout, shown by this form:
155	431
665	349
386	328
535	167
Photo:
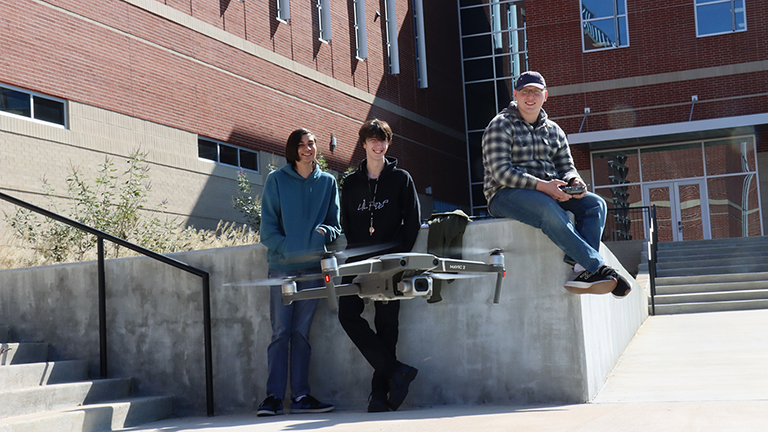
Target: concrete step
38	374
711	287
716	278
109	416
722	261
668	309
714	253
718	296
712	270
726	242
30	400
26	352
5	334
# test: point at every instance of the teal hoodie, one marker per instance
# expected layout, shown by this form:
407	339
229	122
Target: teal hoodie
292	208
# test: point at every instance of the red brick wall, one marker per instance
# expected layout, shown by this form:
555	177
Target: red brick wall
151	68
662	39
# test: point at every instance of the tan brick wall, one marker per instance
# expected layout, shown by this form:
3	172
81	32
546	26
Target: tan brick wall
196	190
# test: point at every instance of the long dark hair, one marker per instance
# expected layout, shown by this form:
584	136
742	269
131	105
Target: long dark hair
292	146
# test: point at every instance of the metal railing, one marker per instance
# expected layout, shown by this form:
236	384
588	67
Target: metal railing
101	236
624	224
653	243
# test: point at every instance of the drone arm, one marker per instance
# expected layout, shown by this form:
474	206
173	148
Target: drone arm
320	292
462	266
497	293
360	267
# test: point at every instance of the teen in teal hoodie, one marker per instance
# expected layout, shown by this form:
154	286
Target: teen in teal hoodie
299	216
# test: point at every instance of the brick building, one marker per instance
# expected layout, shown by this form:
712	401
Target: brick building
211	86
664	103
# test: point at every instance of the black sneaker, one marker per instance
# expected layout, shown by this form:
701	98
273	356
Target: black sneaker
308	404
623	288
377	402
271	406
398	384
603	281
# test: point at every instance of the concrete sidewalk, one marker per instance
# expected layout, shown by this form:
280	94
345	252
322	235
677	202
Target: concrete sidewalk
698	372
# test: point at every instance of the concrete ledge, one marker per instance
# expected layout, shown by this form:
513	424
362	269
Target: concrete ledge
541	344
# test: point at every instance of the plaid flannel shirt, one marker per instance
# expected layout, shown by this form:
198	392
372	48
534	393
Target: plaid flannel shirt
517	155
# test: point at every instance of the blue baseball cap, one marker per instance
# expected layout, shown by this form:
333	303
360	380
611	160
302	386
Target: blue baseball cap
530	78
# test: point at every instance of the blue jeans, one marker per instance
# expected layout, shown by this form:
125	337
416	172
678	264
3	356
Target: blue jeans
290	336
580	242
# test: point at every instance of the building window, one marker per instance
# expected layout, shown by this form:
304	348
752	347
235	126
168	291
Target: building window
604	24
715	17
361	32
22	103
227	154
283	10
493	52
324	20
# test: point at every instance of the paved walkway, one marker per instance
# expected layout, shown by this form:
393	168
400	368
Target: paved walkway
697	372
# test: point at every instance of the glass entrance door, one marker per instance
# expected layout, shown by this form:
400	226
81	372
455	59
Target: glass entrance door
681	209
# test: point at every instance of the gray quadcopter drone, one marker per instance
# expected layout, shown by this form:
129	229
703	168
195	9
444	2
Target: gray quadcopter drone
394	276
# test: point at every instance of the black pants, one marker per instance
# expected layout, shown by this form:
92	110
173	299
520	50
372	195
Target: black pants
377	347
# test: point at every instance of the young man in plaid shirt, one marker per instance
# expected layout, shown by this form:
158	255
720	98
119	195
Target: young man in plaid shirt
526	162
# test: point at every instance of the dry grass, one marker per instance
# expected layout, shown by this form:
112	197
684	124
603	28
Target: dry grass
15	254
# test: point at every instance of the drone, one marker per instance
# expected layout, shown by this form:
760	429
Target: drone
393	276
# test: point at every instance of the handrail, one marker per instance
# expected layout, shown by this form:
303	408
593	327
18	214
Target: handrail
101	236
652	236
652	257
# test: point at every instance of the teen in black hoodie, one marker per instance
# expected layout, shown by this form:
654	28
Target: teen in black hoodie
379	207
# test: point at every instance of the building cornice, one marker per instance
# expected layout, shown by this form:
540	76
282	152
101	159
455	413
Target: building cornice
674	131
661	78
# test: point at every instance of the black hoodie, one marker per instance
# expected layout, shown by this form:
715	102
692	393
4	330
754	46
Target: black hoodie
391	200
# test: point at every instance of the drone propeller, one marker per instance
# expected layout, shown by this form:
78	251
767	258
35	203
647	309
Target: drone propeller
276	281
364	251
481	251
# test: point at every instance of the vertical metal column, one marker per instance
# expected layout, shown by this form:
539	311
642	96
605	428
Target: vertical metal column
102	310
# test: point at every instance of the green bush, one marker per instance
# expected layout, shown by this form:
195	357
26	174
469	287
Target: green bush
247	203
115	203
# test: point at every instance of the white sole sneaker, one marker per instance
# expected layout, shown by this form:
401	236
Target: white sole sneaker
599	287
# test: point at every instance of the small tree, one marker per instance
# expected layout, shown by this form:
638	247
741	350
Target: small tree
112	204
247	203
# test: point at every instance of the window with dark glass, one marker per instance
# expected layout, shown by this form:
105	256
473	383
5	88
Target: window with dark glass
207	150
227	154
32	105
604	24
715	17
494	53
49	110
15	102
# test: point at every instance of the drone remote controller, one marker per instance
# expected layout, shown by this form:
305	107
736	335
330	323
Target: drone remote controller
573	190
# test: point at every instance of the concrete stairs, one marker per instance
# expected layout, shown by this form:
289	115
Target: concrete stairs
712	275
38	395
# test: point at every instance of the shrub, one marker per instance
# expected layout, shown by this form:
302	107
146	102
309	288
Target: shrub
115	204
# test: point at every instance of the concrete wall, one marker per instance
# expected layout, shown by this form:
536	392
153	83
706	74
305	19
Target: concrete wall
539	345
628	253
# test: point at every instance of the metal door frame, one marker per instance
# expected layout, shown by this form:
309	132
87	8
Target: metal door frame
675	207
